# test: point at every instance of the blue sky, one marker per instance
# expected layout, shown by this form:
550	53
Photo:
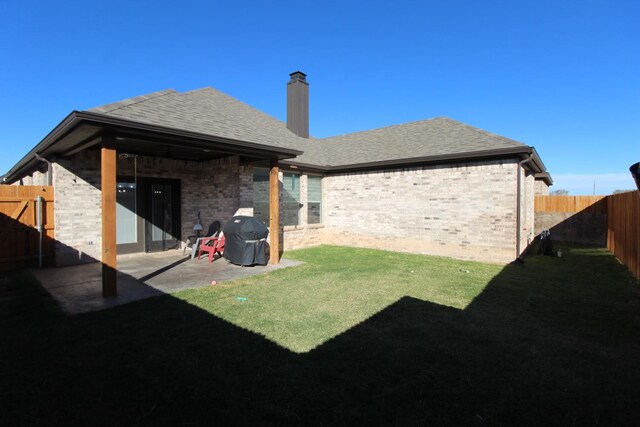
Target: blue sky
562	76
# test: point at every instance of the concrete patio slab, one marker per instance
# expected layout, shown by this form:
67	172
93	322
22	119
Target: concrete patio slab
78	288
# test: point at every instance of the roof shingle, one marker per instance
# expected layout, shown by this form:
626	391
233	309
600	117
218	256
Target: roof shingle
211	112
440	136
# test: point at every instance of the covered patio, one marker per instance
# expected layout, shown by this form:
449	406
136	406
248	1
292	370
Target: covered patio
79	288
109	137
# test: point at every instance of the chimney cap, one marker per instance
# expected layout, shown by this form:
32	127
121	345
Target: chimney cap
298	75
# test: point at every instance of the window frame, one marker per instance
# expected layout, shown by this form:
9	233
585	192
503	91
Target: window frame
298	201
320	202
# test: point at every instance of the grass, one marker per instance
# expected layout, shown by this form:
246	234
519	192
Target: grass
336	289
352	337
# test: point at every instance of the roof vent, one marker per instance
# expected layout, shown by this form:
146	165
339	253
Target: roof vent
298	104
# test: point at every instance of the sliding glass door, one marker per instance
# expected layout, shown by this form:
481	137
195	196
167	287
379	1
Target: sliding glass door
129	223
163	216
147	214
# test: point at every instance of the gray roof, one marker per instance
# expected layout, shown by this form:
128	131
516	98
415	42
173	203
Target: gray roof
211	112
440	136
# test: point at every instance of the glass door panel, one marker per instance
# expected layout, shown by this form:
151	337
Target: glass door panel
163	215
129	223
126	214
158	213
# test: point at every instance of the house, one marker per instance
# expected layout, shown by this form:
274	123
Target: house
168	160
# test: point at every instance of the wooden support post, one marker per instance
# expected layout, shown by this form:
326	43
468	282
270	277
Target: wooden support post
108	189
274	213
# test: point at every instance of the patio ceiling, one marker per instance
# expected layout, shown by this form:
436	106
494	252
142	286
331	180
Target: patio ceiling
84	130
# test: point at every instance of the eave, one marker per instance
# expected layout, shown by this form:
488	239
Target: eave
521	152
81	130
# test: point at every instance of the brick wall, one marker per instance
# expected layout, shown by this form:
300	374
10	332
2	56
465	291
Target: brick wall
77	218
527	209
463	210
36	178
218	189
541	188
305	235
212	188
298	236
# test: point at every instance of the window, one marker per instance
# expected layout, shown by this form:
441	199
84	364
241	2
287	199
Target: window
126	215
314	199
261	194
289	200
290	203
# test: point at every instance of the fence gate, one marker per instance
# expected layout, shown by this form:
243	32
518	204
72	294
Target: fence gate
26	226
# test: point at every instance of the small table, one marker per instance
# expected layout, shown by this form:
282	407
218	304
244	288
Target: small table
193	242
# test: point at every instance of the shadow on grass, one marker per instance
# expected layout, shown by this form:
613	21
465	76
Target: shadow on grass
556	341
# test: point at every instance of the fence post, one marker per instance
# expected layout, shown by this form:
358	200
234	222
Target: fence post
39	228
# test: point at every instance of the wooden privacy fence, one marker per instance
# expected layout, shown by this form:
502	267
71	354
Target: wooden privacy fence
623	238
21	243
574	219
593	204
623	220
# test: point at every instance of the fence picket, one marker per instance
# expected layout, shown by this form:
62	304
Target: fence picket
19	237
624	229
623	220
570	203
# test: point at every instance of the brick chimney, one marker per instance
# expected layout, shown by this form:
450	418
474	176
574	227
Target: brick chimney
298	104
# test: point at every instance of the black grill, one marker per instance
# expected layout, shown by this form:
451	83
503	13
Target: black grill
245	240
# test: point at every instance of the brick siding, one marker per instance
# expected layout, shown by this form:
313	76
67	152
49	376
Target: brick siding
464	210
218	189
541	188
36	178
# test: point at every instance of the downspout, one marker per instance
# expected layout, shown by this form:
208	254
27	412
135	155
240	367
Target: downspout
519	207
49	174
39	227
39	207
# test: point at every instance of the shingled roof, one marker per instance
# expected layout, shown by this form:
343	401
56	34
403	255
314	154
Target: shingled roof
209	121
438	137
211	112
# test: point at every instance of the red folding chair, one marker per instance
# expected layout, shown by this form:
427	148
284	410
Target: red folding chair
212	245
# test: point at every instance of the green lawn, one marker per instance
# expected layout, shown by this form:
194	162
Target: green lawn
336	289
353	337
